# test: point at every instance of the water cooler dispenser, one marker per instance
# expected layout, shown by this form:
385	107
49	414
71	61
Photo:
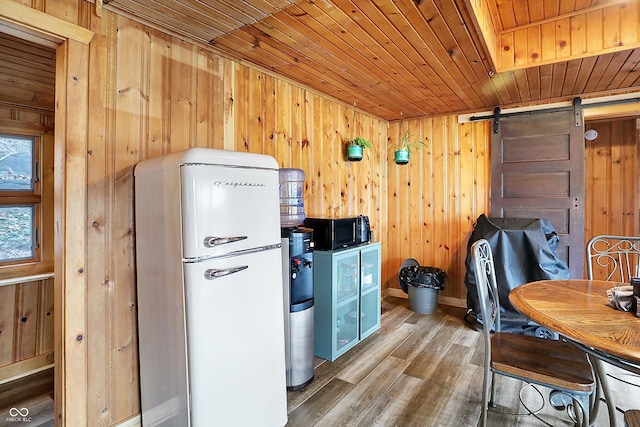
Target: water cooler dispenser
297	273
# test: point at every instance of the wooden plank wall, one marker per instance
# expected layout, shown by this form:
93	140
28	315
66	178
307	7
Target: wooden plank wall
26	327
151	94
435	199
612	201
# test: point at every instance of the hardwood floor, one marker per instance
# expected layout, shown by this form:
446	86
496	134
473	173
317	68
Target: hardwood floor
426	370
40	412
28	401
417	370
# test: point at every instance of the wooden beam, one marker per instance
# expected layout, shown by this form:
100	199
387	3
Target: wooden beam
567	15
33	25
597	30
482	20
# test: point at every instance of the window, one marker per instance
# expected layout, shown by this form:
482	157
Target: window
20	199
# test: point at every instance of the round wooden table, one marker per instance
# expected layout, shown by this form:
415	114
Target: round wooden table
579	310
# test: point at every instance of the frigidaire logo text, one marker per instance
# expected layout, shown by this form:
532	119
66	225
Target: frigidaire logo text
235	184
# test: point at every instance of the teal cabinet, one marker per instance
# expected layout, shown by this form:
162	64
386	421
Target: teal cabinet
346	289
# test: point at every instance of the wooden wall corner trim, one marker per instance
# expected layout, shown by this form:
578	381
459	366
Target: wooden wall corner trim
135	421
26	367
70	328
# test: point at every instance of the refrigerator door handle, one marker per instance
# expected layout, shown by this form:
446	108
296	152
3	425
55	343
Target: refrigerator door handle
214	273
211	241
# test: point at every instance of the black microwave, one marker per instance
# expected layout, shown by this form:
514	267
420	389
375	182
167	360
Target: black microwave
337	233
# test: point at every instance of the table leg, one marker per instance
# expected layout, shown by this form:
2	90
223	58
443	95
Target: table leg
598	365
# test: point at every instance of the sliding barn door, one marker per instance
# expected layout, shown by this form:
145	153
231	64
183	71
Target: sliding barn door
537	171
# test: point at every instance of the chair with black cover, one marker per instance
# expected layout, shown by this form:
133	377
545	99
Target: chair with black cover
555	364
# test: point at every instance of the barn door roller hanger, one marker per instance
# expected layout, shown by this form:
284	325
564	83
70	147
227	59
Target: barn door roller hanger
495	117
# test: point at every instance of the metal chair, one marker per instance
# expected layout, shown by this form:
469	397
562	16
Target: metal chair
554	364
613	258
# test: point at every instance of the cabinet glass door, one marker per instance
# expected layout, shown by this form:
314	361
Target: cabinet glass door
369	290
347	270
369	269
347	326
370	313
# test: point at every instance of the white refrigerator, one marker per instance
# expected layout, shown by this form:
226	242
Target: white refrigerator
209	287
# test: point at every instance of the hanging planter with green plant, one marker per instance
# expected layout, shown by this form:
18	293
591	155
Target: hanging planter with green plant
402	150
355	148
356	145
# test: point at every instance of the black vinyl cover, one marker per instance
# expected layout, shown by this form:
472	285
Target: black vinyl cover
523	251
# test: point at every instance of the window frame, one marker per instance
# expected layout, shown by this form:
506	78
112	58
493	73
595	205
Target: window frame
34	197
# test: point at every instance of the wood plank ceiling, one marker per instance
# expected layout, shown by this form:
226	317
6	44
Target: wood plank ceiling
27	74
409	58
414	57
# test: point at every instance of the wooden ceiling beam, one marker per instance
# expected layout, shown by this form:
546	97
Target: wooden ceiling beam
597	30
484	20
